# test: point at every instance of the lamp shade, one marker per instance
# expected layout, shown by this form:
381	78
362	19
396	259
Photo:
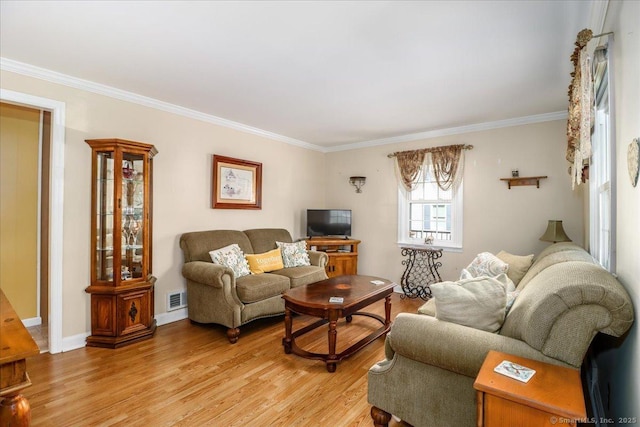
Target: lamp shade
555	233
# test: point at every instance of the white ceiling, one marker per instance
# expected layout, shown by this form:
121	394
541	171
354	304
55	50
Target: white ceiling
330	74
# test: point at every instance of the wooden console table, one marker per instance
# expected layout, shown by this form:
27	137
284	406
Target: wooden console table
421	271
342	253
15	346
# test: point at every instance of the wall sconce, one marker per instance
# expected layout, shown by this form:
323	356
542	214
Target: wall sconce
358	182
555	233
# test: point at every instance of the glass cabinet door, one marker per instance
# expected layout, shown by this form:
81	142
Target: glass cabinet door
133	216
120	216
105	215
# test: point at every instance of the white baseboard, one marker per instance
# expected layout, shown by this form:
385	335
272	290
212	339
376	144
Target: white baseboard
171	316
33	321
74	342
78	341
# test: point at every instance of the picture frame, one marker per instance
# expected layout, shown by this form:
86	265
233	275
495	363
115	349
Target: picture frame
236	183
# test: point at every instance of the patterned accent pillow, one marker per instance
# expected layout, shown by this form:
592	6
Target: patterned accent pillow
266	262
294	254
486	264
231	256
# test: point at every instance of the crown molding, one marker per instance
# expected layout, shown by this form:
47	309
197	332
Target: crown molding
123	95
66	80
518	121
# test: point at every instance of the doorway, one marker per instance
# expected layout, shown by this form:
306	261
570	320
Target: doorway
24	164
53	246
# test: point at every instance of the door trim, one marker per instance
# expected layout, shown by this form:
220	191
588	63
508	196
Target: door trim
57	109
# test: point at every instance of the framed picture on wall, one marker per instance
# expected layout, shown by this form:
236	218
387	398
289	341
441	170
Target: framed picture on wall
237	184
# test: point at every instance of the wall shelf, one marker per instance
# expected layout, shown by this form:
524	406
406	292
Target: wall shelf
525	180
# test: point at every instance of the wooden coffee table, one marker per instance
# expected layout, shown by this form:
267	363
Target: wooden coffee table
356	292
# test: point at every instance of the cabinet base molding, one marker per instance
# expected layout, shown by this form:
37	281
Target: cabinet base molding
117	342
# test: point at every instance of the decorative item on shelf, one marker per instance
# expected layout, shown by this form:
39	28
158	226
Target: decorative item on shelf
555	233
632	160
127	169
515	173
358	182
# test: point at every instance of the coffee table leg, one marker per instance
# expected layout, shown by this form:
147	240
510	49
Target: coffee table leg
387	311
286	341
333	335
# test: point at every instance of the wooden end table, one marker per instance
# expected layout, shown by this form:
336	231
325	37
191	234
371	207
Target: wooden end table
552	397
16	345
356	292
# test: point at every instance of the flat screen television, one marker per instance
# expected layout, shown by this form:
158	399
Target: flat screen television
329	222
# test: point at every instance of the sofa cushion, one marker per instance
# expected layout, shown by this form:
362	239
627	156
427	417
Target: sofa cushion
428	308
568	254
303	275
479	302
231	256
518	265
196	245
264	239
265	262
294	254
258	287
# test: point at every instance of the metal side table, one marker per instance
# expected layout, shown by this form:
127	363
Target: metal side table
421	271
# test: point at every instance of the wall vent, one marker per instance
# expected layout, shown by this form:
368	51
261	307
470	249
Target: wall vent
176	300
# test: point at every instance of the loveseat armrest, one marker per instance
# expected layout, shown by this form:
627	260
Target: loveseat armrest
207	273
456	348
318	258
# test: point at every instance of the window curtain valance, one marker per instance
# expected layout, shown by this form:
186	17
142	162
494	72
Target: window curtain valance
447	162
580	108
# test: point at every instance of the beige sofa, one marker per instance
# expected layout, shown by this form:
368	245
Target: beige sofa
427	378
215	295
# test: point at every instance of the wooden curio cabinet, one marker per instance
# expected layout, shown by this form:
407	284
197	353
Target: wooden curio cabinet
122	306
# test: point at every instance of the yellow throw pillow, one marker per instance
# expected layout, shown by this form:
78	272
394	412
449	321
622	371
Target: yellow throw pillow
263	263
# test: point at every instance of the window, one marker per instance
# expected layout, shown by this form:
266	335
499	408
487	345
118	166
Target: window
430	214
602	189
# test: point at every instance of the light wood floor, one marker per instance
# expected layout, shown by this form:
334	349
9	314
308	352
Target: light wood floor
189	375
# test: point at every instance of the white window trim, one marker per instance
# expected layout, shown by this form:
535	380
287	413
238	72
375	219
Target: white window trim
457	213
597	238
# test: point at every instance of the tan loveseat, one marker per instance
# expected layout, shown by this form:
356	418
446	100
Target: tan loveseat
215	295
565	299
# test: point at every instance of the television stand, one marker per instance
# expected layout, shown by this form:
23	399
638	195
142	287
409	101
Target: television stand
342	253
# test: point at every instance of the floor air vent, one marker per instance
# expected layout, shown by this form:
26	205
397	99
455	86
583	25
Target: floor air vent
176	300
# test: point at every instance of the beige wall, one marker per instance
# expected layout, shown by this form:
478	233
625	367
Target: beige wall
292	180
19	144
495	218
620	367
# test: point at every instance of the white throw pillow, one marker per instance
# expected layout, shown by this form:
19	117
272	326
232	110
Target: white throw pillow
486	264
478	302
506	282
294	254
231	256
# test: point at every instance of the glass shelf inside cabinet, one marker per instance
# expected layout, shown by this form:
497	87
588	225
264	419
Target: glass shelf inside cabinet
132	216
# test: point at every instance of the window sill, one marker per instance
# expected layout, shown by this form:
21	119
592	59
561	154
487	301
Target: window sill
445	248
